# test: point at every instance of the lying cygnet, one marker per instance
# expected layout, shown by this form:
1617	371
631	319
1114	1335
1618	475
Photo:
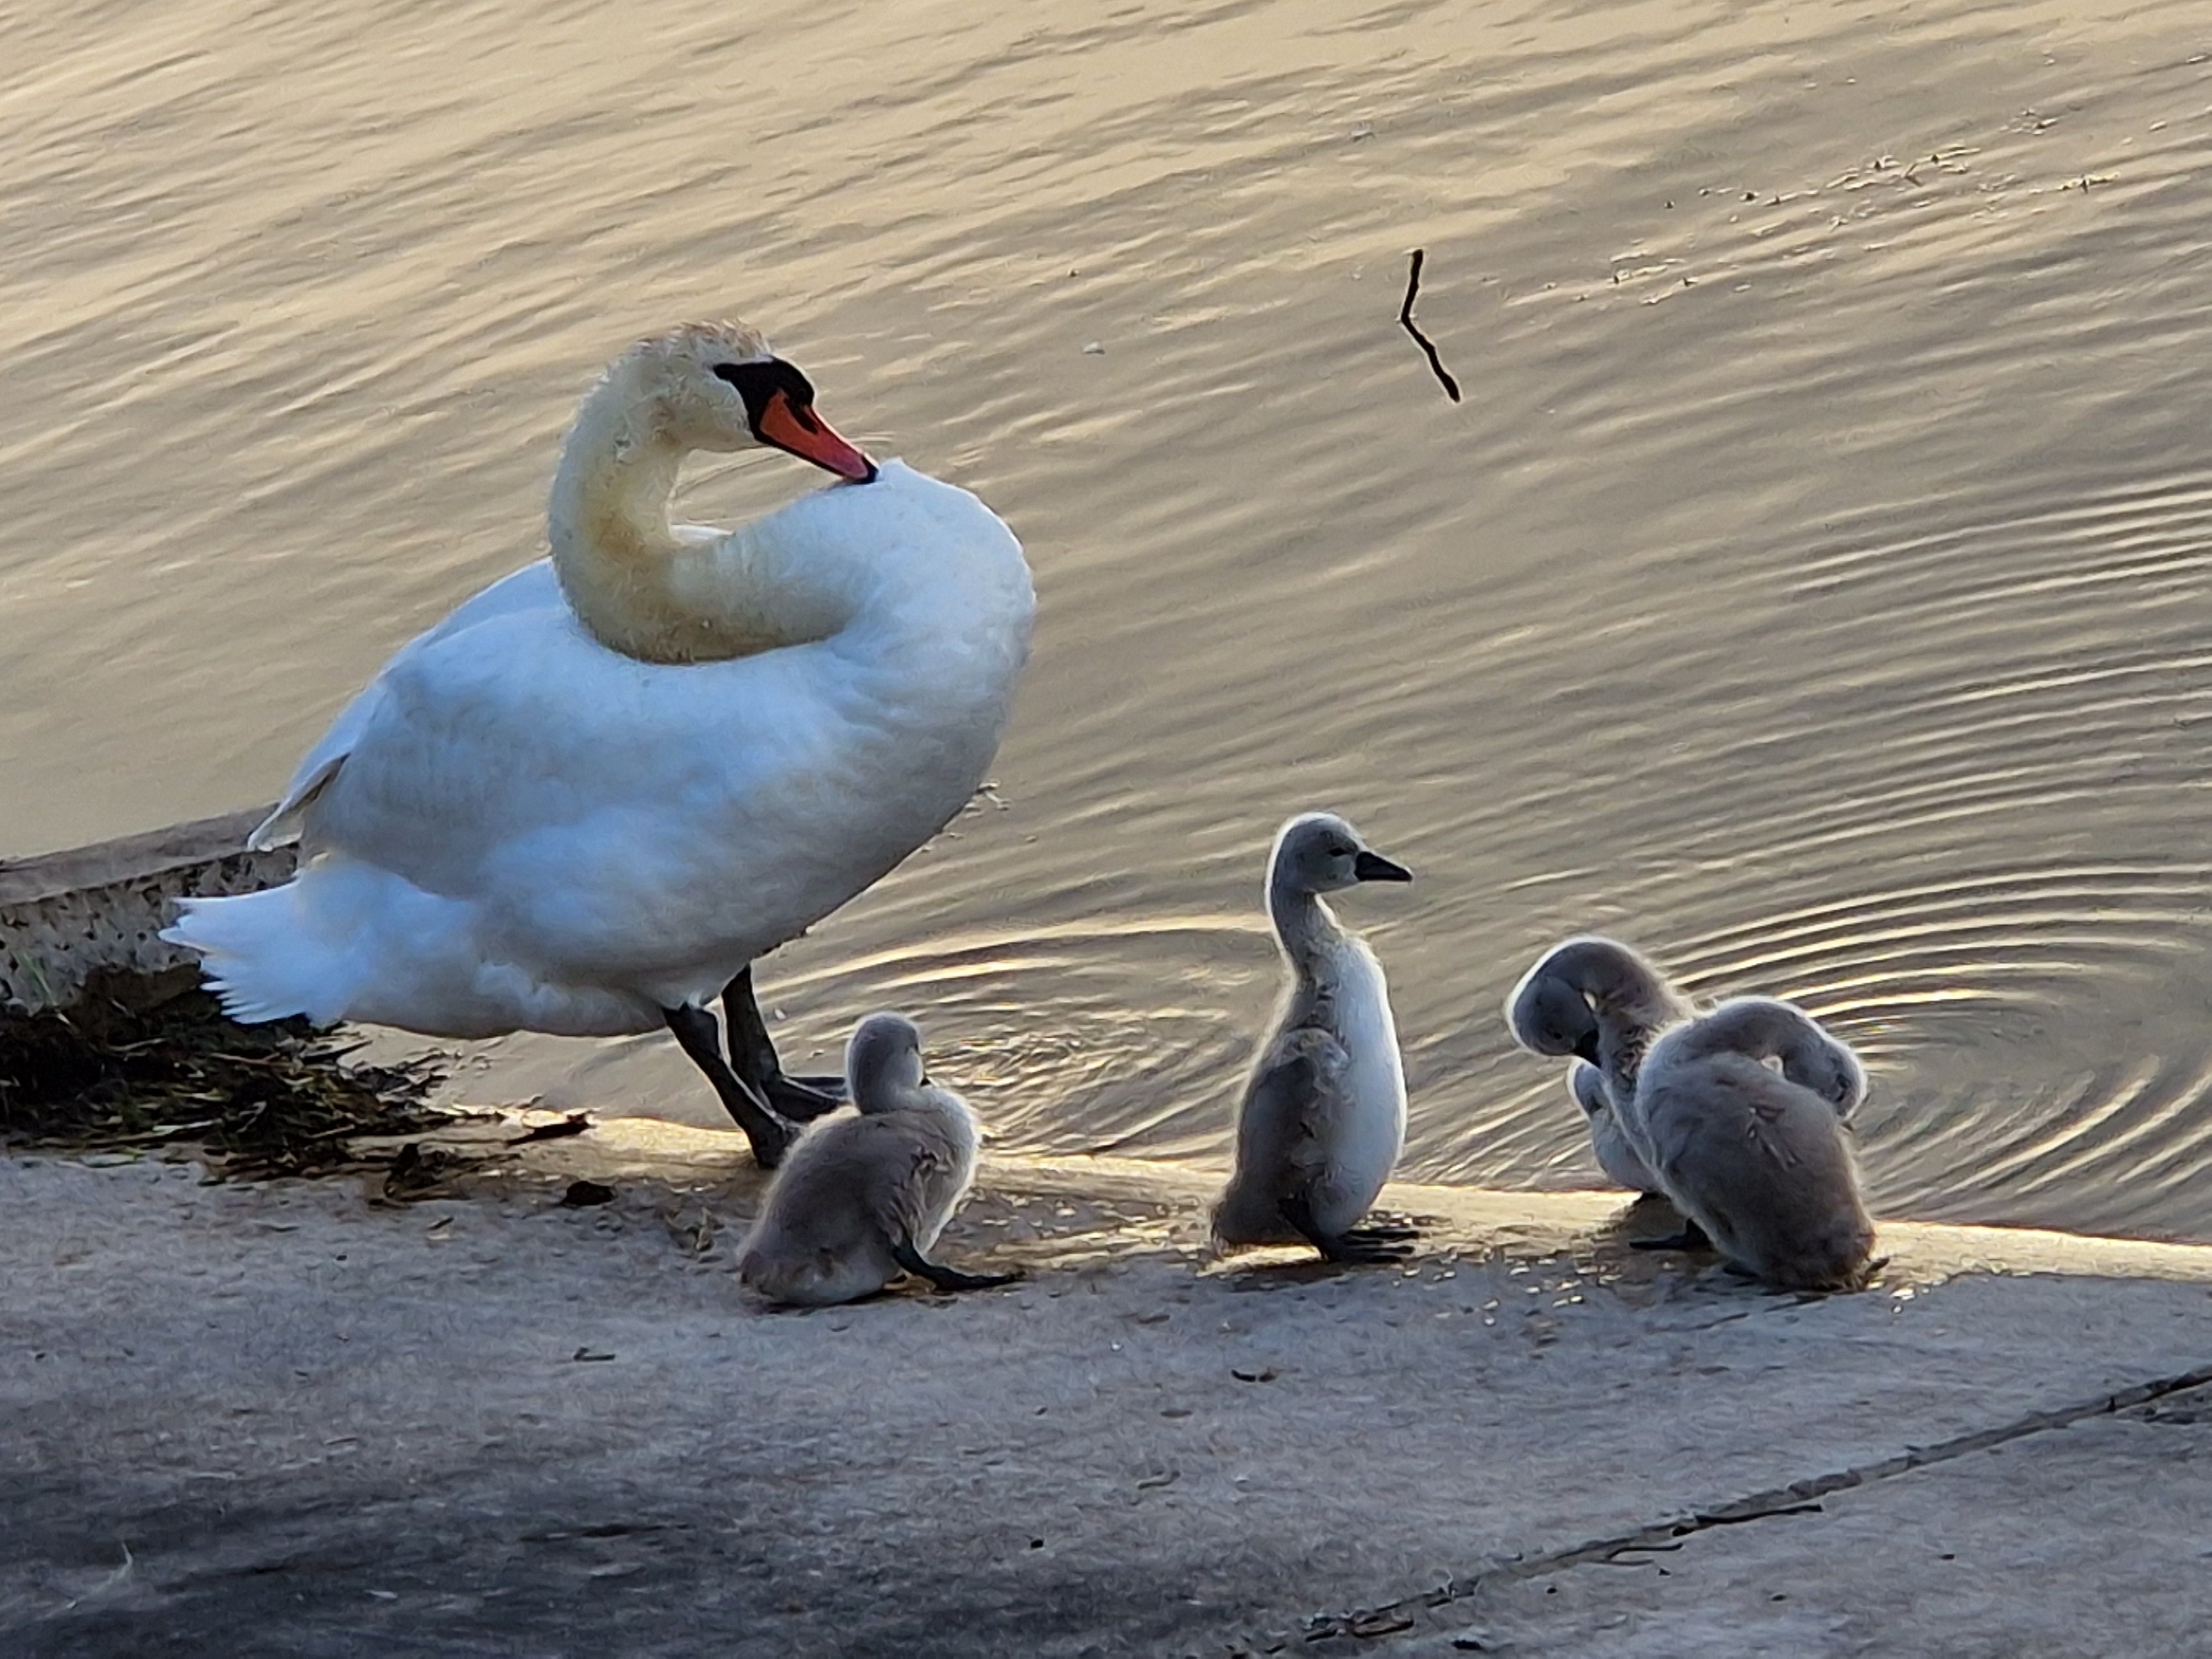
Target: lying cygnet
861	1200
1323	1117
1760	1162
1595	998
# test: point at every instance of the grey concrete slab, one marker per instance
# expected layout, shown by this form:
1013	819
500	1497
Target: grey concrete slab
282	1420
2092	1538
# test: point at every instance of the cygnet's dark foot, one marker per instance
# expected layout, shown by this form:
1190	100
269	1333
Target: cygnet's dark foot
803	1099
948	1278
1377	1242
943	1278
1356	1248
1386	1229
1692	1237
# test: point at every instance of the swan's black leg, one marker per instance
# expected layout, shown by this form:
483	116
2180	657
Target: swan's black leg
1357	1246
945	1278
799	1098
699	1036
1692	1237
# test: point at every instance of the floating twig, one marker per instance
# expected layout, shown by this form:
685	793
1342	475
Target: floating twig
1405	321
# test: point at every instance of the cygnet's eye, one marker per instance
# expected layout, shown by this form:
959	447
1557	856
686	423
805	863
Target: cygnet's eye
1343	849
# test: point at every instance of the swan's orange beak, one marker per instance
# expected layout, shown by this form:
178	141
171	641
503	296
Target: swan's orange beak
797	428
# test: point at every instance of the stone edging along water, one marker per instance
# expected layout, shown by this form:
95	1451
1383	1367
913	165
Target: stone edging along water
67	917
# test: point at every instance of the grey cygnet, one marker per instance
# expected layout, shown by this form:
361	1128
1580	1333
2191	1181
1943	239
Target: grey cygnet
861	1200
1598	1000
1760	1162
1324	1116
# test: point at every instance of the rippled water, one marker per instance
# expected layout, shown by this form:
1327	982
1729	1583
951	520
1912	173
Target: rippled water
1814	588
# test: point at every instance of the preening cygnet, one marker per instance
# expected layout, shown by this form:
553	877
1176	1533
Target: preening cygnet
1595	998
1323	1117
1609	1141
860	1200
1759	1161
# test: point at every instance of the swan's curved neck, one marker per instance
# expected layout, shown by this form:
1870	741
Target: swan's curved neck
637	586
1307	928
607	518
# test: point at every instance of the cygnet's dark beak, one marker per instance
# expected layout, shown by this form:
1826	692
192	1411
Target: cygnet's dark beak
1586	1048
1373	867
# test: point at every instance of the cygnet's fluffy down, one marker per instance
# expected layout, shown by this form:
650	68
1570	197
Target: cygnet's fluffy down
1609	1143
1324	1116
1598	1000
1760	1161
861	1200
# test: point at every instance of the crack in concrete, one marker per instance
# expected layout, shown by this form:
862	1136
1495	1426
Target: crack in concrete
1797	1498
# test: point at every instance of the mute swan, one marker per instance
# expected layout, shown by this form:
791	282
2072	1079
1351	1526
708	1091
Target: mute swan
1595	998
1761	1162
592	797
1323	1117
861	1200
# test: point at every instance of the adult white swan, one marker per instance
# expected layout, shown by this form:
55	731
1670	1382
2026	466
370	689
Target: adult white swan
589	798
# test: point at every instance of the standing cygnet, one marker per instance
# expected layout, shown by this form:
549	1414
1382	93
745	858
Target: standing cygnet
861	1200
1324	1116
1760	1162
1595	998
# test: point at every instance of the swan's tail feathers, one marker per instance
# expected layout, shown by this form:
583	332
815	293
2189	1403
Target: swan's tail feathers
266	957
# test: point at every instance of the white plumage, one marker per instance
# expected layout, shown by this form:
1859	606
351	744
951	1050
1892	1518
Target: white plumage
517	825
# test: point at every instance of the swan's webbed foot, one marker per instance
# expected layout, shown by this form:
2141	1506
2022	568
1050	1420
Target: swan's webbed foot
943	1278
1692	1237
1369	1246
803	1099
752	1055
700	1037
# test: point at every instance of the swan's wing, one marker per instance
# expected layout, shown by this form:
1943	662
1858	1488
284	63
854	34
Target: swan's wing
520	750
1296	1094
1766	1124
905	1171
532	587
1728	1119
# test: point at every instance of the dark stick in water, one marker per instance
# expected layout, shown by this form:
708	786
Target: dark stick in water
1405	321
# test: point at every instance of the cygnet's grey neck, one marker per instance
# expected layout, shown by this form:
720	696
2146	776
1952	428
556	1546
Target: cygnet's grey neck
1307	928
884	1094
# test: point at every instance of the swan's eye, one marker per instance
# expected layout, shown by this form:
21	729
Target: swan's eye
759	383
